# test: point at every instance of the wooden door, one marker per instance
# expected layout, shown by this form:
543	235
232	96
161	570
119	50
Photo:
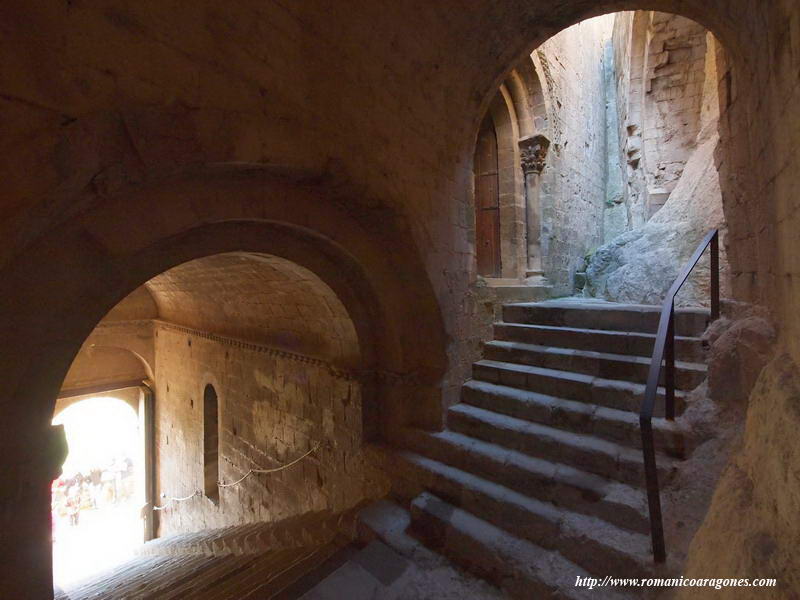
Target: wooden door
487	201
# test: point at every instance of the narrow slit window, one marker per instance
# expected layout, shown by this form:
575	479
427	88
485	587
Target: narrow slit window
211	443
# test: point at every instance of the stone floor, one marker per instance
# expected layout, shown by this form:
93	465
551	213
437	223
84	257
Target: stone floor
251	562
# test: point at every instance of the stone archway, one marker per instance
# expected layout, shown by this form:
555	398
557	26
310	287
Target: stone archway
212	215
95	267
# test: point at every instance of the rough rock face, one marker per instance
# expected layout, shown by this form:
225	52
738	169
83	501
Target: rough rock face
740	345
738	354
640	265
754	512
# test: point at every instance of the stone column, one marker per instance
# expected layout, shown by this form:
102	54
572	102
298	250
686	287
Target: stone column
533	154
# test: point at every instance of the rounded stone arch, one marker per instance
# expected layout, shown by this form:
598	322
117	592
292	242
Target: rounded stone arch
127	395
92	262
511	44
503	114
103	365
146	363
526	31
518	110
530	101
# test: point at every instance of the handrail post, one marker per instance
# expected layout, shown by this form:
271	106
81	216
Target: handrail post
653	496
715	277
669	372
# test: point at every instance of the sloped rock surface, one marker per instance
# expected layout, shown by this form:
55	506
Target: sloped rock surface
639	266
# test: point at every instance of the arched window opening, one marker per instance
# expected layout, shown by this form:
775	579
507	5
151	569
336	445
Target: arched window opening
211	443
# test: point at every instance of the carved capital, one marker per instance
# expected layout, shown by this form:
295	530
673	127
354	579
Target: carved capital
533	153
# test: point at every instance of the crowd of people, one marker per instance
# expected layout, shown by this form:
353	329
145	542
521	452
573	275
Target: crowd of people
100	486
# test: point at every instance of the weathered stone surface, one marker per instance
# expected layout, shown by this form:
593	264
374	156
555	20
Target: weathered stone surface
737	356
274	408
640	265
755	508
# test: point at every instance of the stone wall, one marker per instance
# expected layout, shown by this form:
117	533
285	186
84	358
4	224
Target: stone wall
759	492
675	150
616	209
564	100
674	81
660	65
573	184
273	408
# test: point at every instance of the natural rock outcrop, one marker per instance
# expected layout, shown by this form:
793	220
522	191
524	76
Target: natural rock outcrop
739	351
640	265
739	346
754	512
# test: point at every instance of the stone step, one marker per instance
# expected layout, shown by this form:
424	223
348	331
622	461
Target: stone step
612	393
389	522
519	567
620	426
559	484
375	571
598	364
605	316
632	343
587	452
592	543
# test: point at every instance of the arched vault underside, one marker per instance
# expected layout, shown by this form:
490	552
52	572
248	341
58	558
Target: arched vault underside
113	250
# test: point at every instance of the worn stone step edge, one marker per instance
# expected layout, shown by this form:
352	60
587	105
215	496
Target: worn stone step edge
522	569
619	426
562	485
389	522
595	544
586	452
631	343
598	364
620	317
613	393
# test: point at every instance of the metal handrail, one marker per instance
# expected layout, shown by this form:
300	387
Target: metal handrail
664	351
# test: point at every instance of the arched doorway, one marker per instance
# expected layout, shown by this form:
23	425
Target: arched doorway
304	229
254	361
97	500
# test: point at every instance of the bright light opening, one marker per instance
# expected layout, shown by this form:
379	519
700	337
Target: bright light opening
97	500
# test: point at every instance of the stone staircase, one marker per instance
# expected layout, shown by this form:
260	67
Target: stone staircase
538	478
